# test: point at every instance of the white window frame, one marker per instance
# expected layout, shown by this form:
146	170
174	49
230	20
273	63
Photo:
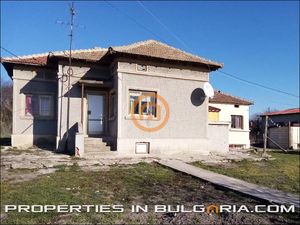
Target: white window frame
139	92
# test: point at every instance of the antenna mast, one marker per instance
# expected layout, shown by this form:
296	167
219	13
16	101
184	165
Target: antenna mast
69	71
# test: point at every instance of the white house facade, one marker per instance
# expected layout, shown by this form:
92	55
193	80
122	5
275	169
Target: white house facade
235	111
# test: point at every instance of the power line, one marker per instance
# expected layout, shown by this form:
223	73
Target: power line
134	20
164	26
9	52
223	72
257	84
13	54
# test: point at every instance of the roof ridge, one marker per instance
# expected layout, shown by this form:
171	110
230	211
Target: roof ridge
62	52
188	53
139	43
242	99
132	45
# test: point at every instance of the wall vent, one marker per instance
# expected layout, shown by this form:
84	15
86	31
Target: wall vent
142	147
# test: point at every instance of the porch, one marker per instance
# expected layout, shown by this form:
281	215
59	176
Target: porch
97	117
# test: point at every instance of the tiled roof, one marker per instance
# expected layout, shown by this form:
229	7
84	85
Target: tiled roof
157	49
213	109
223	98
283	112
149	48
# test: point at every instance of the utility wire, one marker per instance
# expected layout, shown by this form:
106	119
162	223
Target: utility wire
257	84
10	52
223	72
134	20
164	26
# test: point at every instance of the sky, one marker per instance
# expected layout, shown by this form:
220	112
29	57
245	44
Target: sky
257	41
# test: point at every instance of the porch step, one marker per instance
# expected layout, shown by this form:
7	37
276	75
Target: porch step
95	145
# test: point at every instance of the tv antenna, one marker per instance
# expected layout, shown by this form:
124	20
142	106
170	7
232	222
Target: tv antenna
67	77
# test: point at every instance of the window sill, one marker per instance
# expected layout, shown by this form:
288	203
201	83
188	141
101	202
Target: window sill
238	130
138	117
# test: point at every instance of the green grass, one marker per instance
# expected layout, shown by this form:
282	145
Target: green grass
143	183
281	173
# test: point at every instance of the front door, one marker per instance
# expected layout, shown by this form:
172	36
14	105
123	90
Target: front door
95	114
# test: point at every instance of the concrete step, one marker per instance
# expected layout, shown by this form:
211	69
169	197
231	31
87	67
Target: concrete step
96	145
107	149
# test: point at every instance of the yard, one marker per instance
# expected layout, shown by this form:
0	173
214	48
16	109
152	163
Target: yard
282	172
142	183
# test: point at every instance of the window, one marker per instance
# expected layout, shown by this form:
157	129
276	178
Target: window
142	102
38	105
112	105
236	122
45	105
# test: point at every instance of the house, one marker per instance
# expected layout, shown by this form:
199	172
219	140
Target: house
283	128
234	110
139	98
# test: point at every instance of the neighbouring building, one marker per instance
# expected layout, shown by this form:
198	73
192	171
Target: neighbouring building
234	110
113	99
283	128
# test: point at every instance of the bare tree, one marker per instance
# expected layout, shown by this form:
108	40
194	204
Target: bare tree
6	108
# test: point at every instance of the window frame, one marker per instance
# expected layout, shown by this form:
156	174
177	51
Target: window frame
50	105
39	114
140	114
241	118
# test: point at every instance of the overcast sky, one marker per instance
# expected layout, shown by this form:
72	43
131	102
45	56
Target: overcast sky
256	41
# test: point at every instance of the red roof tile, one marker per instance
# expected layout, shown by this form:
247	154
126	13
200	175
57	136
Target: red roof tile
213	109
223	98
283	112
149	48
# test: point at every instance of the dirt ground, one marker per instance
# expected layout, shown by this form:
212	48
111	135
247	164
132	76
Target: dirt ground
19	165
121	180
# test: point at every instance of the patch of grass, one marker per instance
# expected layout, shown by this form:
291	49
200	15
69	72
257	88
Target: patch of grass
142	184
280	173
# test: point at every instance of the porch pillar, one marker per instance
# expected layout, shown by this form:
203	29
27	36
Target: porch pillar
82	94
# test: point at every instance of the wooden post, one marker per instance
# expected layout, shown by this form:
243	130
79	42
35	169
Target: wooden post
82	95
265	135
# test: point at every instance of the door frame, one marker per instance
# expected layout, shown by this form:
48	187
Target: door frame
105	110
